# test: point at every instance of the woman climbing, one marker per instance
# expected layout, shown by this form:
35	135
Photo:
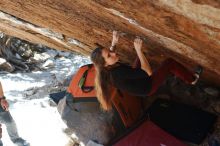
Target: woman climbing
137	81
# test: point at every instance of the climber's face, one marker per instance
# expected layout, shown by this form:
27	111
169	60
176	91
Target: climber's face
110	57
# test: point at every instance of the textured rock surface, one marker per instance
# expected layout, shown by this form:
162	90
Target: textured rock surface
186	30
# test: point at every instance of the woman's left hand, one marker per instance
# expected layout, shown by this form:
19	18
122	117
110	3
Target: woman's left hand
138	45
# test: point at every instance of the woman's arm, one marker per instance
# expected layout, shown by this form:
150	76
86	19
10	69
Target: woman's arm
3	101
115	38
144	62
1	91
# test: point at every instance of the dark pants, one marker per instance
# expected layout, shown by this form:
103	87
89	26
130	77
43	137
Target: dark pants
168	67
7	119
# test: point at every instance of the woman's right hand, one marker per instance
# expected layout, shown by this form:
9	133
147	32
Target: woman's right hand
4	104
115	38
138	45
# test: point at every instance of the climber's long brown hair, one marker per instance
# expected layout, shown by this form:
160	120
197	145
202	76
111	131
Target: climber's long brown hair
102	80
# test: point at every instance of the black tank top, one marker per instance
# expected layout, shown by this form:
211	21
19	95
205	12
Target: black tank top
132	80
